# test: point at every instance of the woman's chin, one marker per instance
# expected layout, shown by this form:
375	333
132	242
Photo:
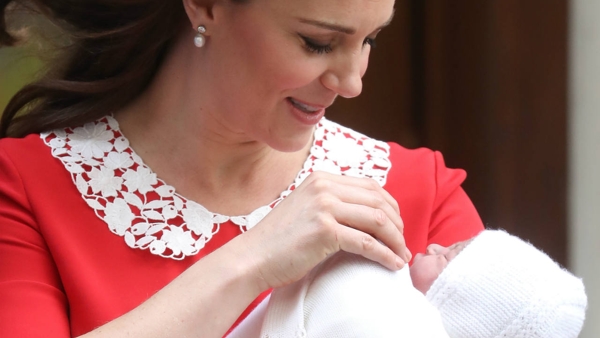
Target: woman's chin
293	144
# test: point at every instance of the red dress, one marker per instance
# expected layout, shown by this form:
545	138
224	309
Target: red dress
64	272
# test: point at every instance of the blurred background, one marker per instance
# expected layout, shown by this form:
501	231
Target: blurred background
508	90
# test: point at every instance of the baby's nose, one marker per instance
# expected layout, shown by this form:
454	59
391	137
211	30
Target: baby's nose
433	249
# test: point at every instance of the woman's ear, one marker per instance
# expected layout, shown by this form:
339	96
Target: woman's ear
199	12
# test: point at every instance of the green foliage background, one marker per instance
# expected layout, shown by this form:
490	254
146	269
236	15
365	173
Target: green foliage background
17	68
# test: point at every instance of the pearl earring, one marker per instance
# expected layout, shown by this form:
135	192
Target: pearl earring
200	39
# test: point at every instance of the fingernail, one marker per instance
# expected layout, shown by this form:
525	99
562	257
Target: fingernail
408	255
399	263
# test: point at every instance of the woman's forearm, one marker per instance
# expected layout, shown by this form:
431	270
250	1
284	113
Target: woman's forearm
204	301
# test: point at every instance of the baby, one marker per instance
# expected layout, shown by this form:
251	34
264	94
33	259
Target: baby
494	285
497	285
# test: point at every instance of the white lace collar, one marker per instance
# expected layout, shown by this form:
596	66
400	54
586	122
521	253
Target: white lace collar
149	214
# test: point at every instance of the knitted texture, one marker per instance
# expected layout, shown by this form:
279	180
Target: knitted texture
349	296
501	286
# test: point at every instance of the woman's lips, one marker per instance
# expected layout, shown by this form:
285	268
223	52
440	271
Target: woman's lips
306	113
305	107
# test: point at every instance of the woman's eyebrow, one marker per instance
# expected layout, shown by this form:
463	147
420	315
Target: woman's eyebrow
329	26
340	28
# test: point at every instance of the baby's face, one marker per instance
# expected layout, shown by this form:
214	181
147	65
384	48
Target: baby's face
427	267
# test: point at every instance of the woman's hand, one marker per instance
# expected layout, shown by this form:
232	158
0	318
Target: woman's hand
325	214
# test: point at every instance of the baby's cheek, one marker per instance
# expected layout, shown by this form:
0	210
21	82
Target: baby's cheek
422	278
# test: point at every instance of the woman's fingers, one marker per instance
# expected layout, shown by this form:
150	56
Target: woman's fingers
365	183
372	198
327	213
360	243
361	192
374	222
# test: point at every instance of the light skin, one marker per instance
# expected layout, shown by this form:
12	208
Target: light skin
219	124
427	267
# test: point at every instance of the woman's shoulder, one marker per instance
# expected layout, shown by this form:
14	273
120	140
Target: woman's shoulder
23	150
421	157
26	172
422	165
434	207
21	141
422	175
389	163
421	162
29	160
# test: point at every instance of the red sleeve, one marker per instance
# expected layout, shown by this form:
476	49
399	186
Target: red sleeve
433	206
453	217
33	303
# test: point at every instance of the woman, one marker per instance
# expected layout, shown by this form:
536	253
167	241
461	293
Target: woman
224	101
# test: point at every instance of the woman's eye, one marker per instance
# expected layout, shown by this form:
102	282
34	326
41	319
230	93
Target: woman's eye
317	48
371	42
314	47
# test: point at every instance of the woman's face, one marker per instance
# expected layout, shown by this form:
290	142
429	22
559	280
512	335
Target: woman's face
427	267
274	66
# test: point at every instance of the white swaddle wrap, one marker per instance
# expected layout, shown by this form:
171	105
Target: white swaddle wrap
346	296
498	286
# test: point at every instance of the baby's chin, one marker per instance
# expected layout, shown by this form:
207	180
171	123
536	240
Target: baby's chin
423	287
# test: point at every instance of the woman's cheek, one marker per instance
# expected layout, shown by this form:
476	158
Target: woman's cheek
299	73
364	63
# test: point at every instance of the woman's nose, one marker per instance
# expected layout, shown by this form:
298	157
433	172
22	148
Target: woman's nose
345	75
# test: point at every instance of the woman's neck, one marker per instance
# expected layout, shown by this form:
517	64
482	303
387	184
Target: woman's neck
204	160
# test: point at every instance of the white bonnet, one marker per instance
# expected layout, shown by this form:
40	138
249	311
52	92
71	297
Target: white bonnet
501	286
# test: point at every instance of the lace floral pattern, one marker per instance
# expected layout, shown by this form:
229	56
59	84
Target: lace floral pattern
148	213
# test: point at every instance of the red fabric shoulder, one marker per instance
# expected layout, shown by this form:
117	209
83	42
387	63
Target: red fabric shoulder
28	274
433	206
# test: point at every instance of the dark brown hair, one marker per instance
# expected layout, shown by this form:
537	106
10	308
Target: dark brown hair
116	47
